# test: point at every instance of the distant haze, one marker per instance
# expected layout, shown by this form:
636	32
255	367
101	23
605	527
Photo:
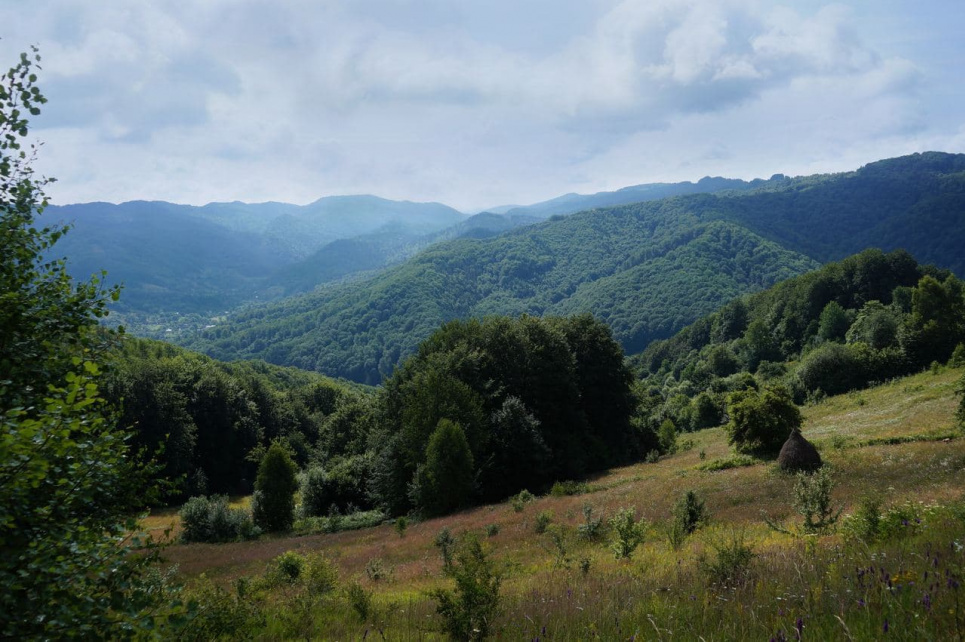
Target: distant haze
477	104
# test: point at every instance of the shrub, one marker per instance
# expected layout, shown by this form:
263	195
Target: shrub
592	527
569	488
219	614
865	523
360	599
276	485
401	524
543	520
760	421
375	569
960	414
445	482
320	574
812	499
628	533
468	611
492	530
731	566
561	558
446	544
520	500
206	519
287	567
689	512
957	360
195	520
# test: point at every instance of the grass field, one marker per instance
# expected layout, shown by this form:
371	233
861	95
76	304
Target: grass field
896	444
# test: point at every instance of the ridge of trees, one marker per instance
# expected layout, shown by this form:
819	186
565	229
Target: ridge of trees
868	318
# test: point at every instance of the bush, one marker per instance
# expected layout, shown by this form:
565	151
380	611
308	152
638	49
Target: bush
960	414
446	544
375	569
492	530
195	520
865	523
401	524
957	360
212	520
275	485
469	611
731	566
520	500
287	567
569	488
220	615
628	533
360	599
543	520
812	499
592	527
760	421
320	574
689	512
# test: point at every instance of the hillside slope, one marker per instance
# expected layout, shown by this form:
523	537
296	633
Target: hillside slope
646	269
655	269
894	444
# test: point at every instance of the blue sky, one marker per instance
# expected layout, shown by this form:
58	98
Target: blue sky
477	104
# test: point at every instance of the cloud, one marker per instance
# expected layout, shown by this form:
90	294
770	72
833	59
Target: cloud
454	100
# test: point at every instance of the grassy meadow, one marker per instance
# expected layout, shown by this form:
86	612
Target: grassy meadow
735	577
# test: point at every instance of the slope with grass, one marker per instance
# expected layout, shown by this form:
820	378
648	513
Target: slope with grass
734	578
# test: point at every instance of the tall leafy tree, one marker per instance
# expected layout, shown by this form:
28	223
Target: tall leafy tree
68	485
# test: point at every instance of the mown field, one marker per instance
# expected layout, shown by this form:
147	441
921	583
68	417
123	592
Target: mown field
736	577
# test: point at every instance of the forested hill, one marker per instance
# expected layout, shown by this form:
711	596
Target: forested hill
184	259
915	202
646	269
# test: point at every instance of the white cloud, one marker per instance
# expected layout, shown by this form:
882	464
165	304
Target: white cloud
445	101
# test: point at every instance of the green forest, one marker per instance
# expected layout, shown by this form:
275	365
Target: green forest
647	269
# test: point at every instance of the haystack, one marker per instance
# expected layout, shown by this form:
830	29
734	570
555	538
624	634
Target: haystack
798	454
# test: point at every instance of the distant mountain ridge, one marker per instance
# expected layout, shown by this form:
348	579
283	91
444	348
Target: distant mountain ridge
204	259
570	203
185	258
647	269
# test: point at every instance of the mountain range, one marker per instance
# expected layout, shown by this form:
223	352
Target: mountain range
354	283
647	269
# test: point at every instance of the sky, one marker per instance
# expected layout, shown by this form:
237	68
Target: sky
477	103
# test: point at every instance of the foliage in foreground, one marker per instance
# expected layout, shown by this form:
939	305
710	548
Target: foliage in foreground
469	611
69	485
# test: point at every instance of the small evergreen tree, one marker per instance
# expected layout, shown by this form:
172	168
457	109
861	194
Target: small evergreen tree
275	485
